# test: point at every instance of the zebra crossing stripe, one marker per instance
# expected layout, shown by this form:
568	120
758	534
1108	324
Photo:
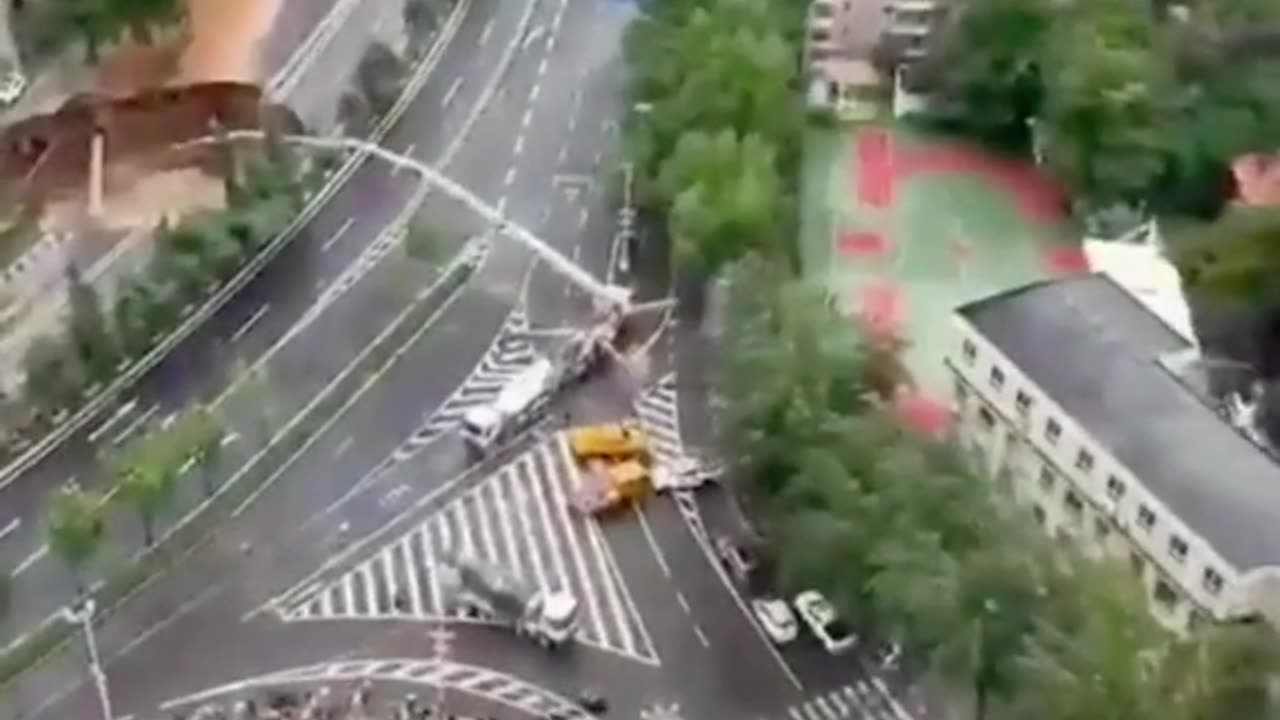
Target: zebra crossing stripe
517	517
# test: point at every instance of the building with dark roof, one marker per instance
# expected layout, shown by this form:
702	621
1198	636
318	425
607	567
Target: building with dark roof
1072	394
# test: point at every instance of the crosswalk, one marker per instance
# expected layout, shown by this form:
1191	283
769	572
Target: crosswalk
659	415
517	518
338	679
510	353
859	700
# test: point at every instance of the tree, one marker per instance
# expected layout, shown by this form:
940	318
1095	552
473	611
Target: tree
421	17
725	193
1235	257
354	113
89	333
1103	663
141	17
146	475
1224	670
1109	102
984	71
91	21
129	312
380	76
201	436
54	376
75	527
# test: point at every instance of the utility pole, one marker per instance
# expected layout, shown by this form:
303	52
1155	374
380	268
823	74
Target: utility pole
84	618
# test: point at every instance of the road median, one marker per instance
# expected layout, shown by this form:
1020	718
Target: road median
247	483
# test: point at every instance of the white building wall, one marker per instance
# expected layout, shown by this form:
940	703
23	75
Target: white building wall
1080	493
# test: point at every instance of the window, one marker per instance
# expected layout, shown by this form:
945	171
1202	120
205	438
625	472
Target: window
969	350
997	377
1178	548
1046	479
1146	517
1165	595
1212	581
1101	528
1052	431
988	419
820	35
1037	512
1023	401
1075	507
1136	563
1115	488
1084	461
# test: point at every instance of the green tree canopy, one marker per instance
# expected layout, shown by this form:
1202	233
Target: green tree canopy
75	526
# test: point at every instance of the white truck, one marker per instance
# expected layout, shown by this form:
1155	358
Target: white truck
483	427
489	592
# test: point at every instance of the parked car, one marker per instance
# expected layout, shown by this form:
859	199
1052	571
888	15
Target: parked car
12	84
824	622
776	618
738	559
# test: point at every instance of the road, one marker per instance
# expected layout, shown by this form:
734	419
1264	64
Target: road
300	283
360	438
357	520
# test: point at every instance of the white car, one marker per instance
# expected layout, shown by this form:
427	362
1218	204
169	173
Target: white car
825	623
685	474
12	85
776	618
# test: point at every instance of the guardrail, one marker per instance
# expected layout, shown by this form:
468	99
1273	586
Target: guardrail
285	446
103	399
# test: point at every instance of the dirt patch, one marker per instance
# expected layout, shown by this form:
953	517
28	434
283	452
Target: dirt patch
143	198
225	39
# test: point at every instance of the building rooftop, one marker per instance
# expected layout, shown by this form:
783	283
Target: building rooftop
1097	351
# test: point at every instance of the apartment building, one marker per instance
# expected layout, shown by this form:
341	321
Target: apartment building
838	45
1077	400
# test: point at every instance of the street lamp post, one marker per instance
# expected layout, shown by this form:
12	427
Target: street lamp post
84	618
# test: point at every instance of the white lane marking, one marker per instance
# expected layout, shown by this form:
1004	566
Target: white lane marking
14	524
248	324
510	177
564	153
577	253
533	94
502	203
408	152
337	235
542	68
119	414
488	30
528	117
229	438
583	214
519	148
702	637
343	446
453	90
653	541
169	419
137	423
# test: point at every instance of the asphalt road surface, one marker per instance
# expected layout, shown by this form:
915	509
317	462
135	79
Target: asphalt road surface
332	574
298	284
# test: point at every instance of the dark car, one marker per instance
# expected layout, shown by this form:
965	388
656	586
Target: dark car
593	702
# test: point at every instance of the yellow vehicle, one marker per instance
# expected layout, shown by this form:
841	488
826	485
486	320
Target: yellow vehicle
608	487
613	441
